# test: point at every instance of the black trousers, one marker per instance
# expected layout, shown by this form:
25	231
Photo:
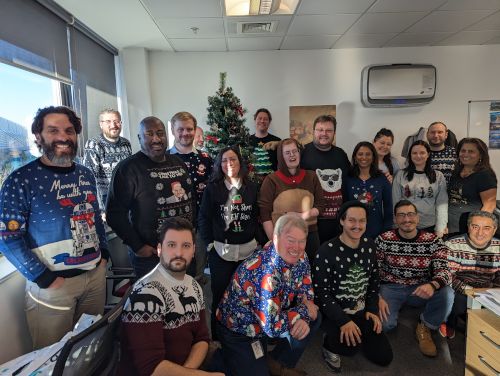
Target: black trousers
376	347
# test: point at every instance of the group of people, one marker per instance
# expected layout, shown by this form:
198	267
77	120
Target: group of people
315	240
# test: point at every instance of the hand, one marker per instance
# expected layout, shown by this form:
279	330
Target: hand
146	251
424	291
300	329
377	324
351	333
57	283
389	177
271	145
445	231
383	309
103	216
439	234
312	309
103	263
308	214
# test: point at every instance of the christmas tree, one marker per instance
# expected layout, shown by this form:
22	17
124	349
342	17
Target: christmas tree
353	287
263	165
227	124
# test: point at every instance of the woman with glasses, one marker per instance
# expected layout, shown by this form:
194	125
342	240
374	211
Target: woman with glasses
366	183
228	220
473	185
424	187
292	189
386	162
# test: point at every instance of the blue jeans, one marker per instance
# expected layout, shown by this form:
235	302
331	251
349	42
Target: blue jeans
436	310
239	358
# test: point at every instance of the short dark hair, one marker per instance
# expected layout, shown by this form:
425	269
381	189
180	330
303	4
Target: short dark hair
435	123
175	223
37	125
326	119
351	204
263	110
404	203
150	120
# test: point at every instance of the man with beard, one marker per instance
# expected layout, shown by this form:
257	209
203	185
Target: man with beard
413	270
331	165
443	157
137	200
102	153
51	230
164	323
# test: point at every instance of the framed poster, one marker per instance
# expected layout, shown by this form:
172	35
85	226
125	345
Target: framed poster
302	119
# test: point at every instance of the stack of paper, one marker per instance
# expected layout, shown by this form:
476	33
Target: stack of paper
489	299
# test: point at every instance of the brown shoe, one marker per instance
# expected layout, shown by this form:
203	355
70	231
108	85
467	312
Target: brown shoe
278	369
425	342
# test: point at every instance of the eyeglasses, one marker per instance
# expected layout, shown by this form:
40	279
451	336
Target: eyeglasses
410	215
327	131
289	153
109	122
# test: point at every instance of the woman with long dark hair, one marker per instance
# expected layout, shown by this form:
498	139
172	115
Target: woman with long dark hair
387	164
423	186
368	185
473	185
228	220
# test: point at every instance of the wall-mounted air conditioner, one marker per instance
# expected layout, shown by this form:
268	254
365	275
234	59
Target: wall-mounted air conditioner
398	85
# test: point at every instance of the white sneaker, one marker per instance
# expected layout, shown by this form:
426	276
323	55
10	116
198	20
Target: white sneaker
332	360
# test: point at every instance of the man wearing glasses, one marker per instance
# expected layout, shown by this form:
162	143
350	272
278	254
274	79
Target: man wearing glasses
413	270
102	153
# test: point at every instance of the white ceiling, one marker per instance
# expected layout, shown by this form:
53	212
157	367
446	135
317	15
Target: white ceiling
317	24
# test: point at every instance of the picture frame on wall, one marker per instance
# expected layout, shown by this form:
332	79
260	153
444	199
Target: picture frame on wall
302	119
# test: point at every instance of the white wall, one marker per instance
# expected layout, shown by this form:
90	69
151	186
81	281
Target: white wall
279	79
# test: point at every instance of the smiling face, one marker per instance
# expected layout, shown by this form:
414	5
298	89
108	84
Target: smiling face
58	140
383	145
230	164
291	244
406	219
364	157
153	140
184	132
177	250
262	122
436	135
419	156
323	135
354	224
469	155
481	230
291	155
111	125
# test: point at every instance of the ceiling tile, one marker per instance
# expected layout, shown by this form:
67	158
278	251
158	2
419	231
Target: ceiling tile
381	23
323	7
210	44
470	37
448	21
489	23
254	44
326	25
406	5
471	5
312	42
281	28
416	39
207	27
183	8
351	40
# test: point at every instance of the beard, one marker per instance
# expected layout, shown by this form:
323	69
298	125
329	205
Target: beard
173	265
49	150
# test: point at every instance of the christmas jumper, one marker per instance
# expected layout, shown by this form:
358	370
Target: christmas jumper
463	194
49	222
331	167
199	166
444	161
431	200
473	267
412	261
346	280
264	297
101	157
140	198
229	215
265	160
162	320
376	194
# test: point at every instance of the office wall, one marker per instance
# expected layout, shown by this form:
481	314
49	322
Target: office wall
279	79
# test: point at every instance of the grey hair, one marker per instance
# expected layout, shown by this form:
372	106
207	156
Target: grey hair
287	221
482	213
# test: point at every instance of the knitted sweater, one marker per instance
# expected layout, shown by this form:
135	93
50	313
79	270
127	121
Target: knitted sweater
444	161
49	222
141	197
346	280
264	297
472	267
162	320
412	261
431	200
101	157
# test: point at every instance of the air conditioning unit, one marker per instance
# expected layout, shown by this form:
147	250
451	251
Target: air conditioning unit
398	85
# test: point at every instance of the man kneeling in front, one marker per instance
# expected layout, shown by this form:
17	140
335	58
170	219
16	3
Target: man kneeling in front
270	296
164	322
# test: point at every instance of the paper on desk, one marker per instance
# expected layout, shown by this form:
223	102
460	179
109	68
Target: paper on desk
490	299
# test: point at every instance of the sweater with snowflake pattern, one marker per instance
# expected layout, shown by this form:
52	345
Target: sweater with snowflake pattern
346	280
264	297
412	261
